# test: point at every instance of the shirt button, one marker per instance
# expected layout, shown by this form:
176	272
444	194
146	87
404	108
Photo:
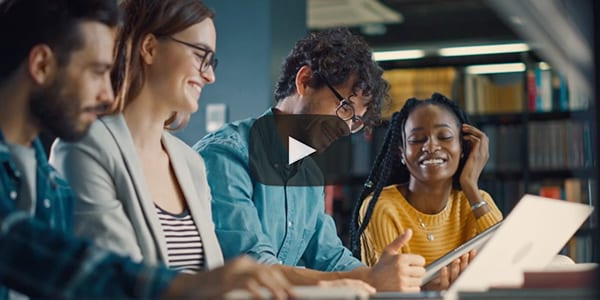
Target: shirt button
17	174
289	223
13	195
46	203
281	262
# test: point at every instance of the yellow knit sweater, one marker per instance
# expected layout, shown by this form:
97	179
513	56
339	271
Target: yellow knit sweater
451	227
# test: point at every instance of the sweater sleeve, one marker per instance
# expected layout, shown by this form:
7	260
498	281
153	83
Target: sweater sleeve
384	226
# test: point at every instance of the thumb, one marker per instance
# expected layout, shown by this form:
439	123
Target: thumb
401	240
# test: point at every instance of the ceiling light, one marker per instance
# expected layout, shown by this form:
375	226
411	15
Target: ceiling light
543	65
486	49
397	55
496	68
323	14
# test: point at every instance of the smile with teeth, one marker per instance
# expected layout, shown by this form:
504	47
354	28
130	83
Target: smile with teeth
433	161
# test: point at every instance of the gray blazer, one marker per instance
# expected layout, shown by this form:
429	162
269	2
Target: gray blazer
112	203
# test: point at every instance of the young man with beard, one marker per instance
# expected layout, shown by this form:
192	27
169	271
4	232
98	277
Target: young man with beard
54	76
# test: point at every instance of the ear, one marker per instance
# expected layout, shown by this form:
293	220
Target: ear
41	64
148	48
401	154
302	79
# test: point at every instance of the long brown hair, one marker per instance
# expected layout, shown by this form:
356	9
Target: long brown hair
142	17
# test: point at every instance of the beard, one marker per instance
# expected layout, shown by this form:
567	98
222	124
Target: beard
57	111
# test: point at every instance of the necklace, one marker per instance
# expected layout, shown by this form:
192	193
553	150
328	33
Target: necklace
429	235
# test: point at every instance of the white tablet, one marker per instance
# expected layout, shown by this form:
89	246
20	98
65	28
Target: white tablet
473	244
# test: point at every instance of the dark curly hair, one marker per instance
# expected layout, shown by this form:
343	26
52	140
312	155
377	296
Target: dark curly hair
337	54
388	169
26	23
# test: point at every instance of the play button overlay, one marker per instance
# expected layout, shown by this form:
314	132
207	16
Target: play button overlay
298	150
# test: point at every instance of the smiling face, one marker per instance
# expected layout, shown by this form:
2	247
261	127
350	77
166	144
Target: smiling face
432	146
176	74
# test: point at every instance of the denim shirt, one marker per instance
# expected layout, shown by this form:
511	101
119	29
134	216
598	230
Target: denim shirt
39	257
284	223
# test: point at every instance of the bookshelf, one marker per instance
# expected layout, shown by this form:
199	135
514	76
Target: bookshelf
563	33
539	131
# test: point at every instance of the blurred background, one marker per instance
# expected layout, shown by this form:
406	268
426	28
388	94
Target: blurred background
522	69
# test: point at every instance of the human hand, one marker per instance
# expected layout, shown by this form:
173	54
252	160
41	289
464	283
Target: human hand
477	157
240	273
396	271
359	286
448	274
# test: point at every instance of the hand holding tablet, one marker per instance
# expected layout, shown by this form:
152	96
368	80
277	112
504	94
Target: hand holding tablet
431	270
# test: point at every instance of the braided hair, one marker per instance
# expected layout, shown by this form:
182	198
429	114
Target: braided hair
387	169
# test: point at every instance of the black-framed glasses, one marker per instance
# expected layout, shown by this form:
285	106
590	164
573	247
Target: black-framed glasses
207	60
344	111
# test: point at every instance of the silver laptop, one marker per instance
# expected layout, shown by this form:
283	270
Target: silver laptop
528	239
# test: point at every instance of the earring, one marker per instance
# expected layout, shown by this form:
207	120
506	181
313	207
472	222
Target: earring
402	161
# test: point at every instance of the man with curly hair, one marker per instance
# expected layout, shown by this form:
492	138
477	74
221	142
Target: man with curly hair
332	77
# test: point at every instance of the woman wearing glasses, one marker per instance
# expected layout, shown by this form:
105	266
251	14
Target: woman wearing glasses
139	190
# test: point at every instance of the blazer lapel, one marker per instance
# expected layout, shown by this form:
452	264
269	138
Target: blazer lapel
118	128
197	201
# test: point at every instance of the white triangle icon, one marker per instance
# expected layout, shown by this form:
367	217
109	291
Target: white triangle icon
298	150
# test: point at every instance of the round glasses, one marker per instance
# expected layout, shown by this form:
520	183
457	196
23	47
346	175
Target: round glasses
207	60
345	111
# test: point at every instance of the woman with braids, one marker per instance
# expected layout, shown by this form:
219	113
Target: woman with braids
425	179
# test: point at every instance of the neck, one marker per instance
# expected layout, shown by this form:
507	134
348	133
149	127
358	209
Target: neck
16	122
428	198
145	117
291	105
283	127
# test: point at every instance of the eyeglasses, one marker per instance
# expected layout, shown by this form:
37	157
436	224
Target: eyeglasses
206	60
345	111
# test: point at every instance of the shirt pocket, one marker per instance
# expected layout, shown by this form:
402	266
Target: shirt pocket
305	235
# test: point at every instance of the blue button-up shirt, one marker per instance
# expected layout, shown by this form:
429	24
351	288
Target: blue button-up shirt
284	223
39	256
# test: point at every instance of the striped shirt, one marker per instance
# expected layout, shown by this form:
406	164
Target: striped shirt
184	245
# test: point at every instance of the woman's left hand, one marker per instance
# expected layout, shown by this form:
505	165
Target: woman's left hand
477	157
448	274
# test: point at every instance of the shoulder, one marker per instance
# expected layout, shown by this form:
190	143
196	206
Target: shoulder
389	198
183	150
390	195
233	136
178	145
98	141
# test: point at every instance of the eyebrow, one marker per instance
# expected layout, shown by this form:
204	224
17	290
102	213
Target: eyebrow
348	98
436	126
105	65
202	46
